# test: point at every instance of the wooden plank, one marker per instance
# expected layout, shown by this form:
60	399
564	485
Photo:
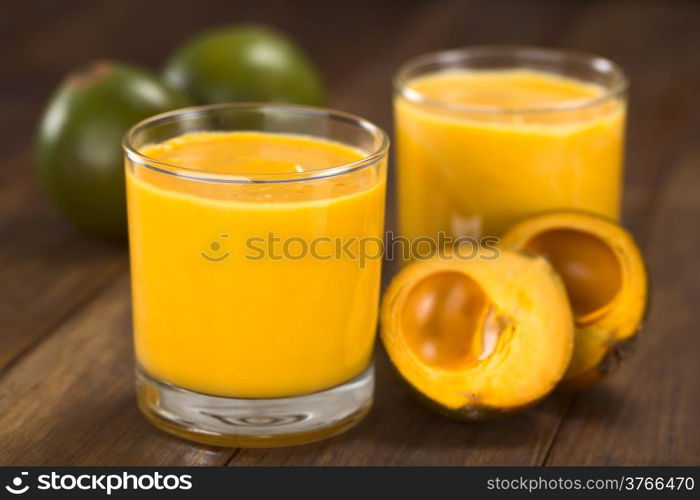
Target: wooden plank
655	44
620	421
339	36
441	26
47	268
71	400
647	412
400	431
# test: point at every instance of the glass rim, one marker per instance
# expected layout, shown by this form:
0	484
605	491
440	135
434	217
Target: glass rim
596	64
371	158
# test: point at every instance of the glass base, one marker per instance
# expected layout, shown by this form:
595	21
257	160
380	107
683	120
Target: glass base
223	421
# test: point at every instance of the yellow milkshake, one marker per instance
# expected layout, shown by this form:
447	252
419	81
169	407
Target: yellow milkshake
215	310
479	149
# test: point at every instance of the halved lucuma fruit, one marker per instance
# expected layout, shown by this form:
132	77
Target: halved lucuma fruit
605	278
479	337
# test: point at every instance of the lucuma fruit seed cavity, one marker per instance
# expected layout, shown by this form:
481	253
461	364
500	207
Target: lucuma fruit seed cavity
606	282
480	337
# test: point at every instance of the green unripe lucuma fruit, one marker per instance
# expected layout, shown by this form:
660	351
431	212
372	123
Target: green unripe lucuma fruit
244	64
78	145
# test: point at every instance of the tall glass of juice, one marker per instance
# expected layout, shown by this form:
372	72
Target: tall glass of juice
487	135
255	271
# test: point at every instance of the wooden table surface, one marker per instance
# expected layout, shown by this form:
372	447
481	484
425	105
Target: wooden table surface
66	383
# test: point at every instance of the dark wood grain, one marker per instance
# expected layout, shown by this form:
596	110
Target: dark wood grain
71	400
66	385
647	412
654	42
639	414
47	268
401	431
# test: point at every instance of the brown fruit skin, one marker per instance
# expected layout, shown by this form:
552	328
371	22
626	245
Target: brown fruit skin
617	348
471	413
610	362
615	355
